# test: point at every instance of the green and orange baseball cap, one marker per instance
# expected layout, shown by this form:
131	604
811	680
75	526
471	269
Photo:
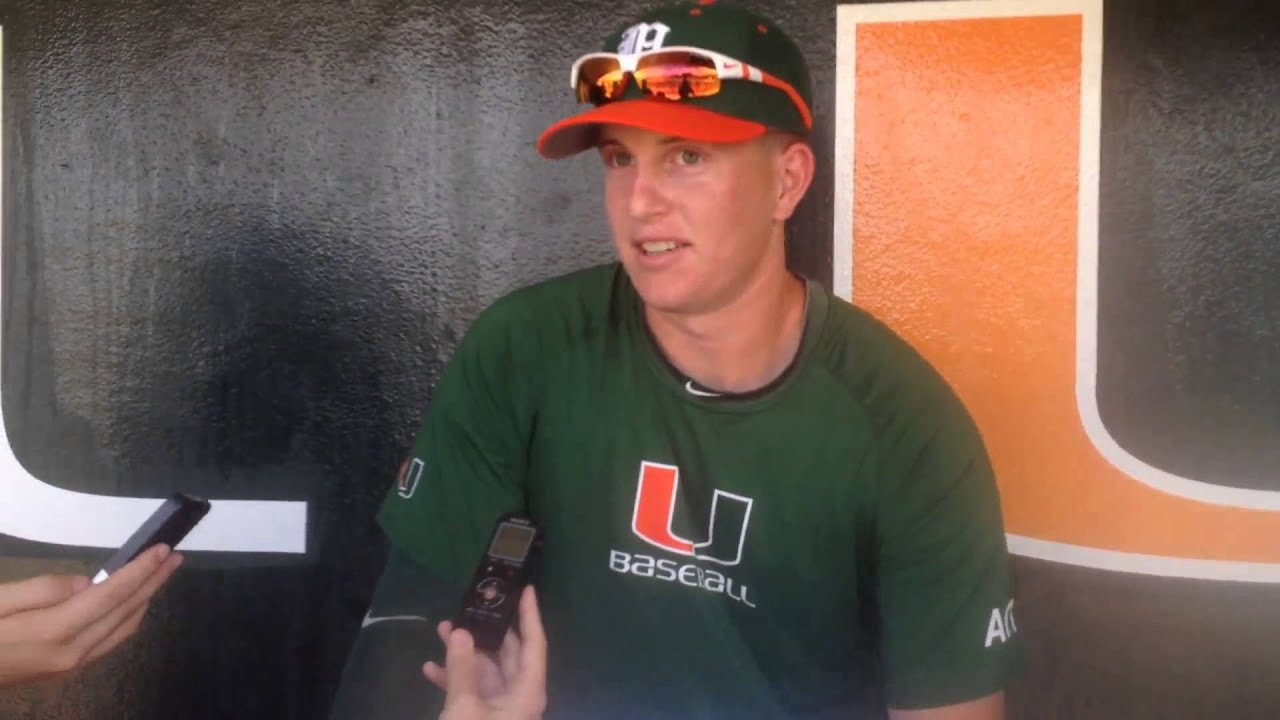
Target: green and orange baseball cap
707	71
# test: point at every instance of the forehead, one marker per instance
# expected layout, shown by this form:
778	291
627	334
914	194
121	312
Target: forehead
627	135
637	139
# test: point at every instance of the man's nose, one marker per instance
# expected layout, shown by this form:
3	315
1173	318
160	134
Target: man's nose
649	190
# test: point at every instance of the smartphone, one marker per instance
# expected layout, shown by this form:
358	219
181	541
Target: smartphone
169	524
507	566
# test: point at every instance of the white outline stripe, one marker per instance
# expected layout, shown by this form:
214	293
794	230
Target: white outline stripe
1091	12
370	620
965	10
711	533
1187	568
846	86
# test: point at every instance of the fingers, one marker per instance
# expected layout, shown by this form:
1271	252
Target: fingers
435	672
133	619
38	592
531	683
120	634
532	635
92	619
509	654
442	631
140	568
103	629
519	669
436	675
96	602
531	630
460	667
432	670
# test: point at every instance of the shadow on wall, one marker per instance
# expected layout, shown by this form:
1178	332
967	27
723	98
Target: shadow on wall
266	358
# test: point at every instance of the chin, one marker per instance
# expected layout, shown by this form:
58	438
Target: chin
660	294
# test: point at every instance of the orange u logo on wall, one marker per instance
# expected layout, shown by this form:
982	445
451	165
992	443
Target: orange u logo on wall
967	164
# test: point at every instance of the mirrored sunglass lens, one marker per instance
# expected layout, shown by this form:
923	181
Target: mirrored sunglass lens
600	79
678	81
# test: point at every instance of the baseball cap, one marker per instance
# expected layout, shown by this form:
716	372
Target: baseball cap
740	110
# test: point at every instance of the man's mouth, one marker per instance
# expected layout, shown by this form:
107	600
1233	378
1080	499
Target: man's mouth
659	247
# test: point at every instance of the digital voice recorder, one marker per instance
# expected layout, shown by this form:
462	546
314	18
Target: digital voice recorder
169	524
492	598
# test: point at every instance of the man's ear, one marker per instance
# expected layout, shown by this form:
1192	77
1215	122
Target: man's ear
795	169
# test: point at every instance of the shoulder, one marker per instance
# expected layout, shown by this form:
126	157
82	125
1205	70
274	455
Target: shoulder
897	387
573	293
548	315
577	294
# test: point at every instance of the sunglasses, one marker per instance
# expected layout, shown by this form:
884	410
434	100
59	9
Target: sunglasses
674	73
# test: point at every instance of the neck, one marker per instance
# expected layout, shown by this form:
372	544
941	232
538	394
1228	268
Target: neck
743	345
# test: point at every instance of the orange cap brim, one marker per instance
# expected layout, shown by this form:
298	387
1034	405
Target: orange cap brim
669	117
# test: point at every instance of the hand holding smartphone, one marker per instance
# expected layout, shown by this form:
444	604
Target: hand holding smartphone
169	524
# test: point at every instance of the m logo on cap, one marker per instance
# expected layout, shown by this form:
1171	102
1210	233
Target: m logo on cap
641	37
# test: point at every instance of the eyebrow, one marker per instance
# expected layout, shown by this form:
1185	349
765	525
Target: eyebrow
665	141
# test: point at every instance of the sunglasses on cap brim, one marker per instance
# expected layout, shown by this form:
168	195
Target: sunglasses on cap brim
674	73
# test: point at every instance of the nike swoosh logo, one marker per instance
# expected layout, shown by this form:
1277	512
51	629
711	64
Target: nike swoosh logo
695	391
371	620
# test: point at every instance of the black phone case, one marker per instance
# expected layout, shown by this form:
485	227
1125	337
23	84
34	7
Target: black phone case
488	618
169	524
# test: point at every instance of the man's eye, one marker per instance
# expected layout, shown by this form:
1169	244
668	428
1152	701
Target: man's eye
617	159
690	157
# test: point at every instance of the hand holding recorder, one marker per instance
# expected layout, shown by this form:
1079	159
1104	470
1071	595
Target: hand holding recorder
493	671
508	685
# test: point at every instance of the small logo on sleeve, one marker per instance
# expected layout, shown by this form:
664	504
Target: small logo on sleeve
410	474
1001	625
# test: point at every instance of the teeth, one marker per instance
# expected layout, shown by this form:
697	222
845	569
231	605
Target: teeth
658	247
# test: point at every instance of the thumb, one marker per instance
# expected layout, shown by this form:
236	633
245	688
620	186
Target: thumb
460	665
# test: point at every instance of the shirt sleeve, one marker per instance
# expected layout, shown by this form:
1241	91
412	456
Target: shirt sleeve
382	677
948	630
467	465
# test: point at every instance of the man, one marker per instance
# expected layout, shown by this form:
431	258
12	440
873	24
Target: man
758	501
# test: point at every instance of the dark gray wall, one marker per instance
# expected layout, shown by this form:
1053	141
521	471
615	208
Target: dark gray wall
241	239
1189	375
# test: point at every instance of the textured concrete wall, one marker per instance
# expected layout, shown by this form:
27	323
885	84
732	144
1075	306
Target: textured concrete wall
240	239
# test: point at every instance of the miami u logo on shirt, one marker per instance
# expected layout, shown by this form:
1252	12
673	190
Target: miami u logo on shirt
725	535
726	528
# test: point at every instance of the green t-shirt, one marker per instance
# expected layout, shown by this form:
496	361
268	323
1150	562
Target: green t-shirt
825	546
